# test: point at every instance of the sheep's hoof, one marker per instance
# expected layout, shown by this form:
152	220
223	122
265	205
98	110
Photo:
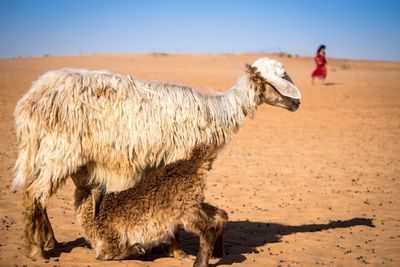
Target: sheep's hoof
36	253
52	244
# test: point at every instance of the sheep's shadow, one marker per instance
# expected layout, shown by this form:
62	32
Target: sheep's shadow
66	247
243	237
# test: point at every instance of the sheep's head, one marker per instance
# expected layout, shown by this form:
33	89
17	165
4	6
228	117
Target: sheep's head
273	84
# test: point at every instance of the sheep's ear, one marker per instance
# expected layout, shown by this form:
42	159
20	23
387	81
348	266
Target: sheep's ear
96	199
274	73
284	86
255	77
252	71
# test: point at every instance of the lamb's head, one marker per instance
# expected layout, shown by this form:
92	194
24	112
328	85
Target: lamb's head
273	84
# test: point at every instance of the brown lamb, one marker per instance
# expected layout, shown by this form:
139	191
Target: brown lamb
131	222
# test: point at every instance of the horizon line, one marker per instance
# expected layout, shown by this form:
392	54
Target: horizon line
160	53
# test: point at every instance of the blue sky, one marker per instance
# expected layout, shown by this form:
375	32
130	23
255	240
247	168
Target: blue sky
359	29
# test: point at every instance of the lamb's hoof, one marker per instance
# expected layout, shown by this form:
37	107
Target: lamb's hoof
189	258
36	253
200	264
103	257
217	253
183	256
179	254
138	249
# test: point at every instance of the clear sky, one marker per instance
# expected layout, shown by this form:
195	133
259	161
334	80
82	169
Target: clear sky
359	29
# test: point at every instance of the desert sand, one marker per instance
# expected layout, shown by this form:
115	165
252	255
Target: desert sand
319	186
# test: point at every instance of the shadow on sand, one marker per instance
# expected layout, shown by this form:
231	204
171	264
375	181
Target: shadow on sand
242	237
66	247
330	83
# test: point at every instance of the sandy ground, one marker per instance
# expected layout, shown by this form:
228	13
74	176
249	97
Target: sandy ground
314	187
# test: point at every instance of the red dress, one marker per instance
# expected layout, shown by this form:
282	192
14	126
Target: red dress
320	71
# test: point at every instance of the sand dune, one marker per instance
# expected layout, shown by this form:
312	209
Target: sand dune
316	187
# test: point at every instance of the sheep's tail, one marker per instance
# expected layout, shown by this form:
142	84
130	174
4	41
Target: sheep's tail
27	143
28	132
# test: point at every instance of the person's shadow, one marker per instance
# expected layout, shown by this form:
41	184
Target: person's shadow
241	237
331	83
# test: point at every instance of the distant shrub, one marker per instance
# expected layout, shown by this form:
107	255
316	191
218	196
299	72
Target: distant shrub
160	54
345	66
284	54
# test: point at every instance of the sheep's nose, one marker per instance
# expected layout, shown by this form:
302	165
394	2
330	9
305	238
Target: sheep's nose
295	104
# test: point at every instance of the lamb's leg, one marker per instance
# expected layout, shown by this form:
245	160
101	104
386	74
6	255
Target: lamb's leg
209	224
207	239
220	218
218	250
202	224
175	249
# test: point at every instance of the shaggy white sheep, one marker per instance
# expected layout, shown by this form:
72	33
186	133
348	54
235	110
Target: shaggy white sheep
109	130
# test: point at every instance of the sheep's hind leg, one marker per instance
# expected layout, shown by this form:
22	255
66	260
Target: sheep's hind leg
38	231
50	239
34	226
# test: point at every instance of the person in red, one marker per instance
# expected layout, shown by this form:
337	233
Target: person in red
320	72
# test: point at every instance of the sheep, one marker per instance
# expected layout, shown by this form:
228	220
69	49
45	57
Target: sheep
107	129
129	223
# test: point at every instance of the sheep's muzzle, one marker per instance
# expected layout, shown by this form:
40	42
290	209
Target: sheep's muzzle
295	104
